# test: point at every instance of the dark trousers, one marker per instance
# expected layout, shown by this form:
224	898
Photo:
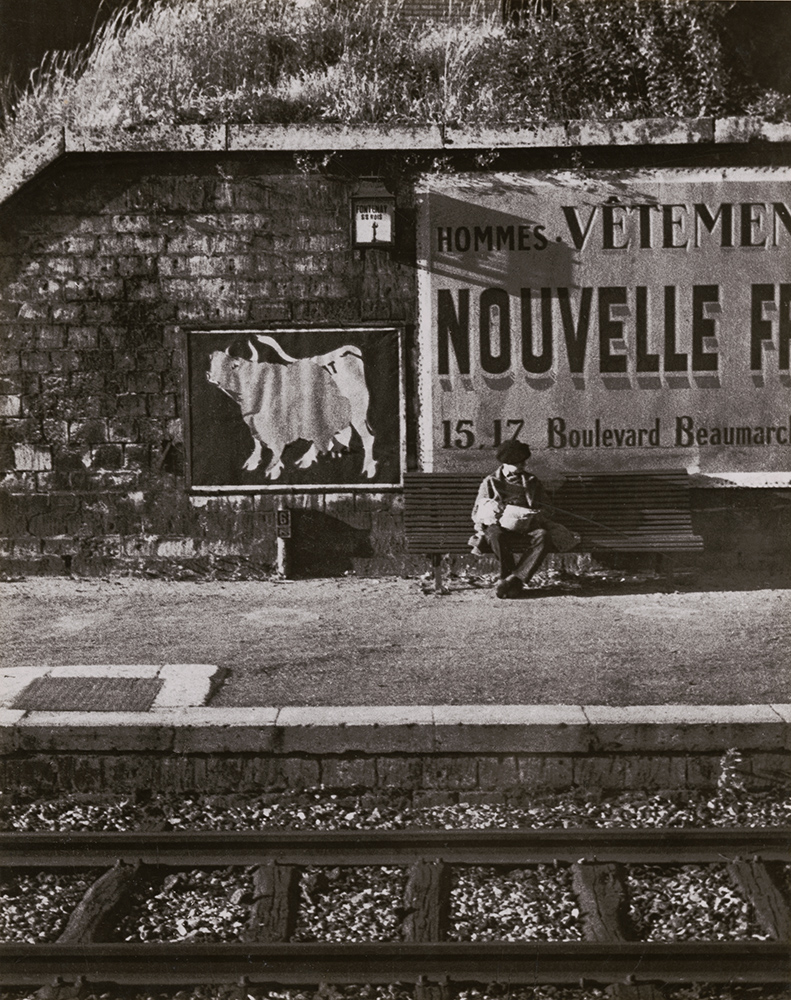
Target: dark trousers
533	546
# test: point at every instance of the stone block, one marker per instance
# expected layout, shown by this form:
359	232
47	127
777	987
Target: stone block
497	772
31	161
482	137
107	456
450	772
147	139
653	772
92	732
702	771
83	338
430	799
492	798
505	739
50	338
333	137
240	738
605	772
769	769
545	772
130	405
340	772
35	361
32	458
96	267
747	129
10	406
161	406
300	773
399	772
641	132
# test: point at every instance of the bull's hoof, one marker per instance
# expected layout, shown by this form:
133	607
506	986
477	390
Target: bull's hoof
274	471
369	471
250	465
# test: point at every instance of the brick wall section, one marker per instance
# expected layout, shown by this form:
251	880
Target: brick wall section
103	262
424	778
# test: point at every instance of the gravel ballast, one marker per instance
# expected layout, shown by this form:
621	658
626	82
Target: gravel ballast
197	905
689	903
323	808
351	904
405	992
35	906
520	904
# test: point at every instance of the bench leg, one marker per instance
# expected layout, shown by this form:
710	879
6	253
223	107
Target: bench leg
666	567
436	564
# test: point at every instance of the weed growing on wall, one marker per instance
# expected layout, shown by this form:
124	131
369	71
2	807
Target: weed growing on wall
356	61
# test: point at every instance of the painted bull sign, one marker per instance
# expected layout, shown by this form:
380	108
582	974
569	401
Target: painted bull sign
294	408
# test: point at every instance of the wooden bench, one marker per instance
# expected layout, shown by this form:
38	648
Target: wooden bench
613	512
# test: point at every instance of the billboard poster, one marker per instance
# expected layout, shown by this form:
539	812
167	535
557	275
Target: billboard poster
614	320
298	408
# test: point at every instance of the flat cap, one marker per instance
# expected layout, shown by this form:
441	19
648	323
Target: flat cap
512	452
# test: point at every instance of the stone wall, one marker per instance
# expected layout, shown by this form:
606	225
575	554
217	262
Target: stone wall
103	262
106	258
441	761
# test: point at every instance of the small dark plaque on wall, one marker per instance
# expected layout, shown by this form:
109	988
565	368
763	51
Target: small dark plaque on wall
295	408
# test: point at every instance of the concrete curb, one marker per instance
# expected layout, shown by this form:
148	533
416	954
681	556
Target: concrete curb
327	138
565	729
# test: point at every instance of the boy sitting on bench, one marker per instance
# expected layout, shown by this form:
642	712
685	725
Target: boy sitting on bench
507	515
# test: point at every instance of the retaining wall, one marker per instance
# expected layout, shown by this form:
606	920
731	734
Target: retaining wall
438	762
112	244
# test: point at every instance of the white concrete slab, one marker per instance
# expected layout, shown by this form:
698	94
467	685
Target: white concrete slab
509	715
14	680
228	717
356	715
681	715
90	720
184	684
152	138
10	716
333	137
30	162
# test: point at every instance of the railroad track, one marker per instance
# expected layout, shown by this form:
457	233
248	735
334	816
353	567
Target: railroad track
597	859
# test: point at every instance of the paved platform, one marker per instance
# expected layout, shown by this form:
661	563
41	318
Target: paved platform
358	642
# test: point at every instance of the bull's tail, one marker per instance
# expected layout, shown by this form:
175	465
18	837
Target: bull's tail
271	342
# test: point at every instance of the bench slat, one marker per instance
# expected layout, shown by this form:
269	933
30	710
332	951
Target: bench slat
632	511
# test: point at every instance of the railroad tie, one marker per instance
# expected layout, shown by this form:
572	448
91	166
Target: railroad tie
273	915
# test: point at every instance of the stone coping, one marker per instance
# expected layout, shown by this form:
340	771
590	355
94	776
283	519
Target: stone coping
430	729
219	138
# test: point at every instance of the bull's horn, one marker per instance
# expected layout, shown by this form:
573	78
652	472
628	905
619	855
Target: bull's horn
253	352
271	342
228	350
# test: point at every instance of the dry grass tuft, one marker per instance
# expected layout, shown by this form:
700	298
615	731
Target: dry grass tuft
352	61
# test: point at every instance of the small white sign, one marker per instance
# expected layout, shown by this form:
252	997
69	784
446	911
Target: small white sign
373	222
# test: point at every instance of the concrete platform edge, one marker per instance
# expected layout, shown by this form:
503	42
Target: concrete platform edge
412	729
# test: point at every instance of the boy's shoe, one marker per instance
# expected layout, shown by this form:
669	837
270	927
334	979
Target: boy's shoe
508	587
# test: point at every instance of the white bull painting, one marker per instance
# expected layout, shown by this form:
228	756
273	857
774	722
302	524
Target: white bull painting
318	399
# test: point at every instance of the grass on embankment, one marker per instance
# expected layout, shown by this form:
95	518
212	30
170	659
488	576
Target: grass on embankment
358	61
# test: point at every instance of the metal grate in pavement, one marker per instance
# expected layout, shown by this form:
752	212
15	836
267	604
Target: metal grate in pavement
89	694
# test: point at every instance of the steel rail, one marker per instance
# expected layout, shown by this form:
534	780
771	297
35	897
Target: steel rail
290	964
382	847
